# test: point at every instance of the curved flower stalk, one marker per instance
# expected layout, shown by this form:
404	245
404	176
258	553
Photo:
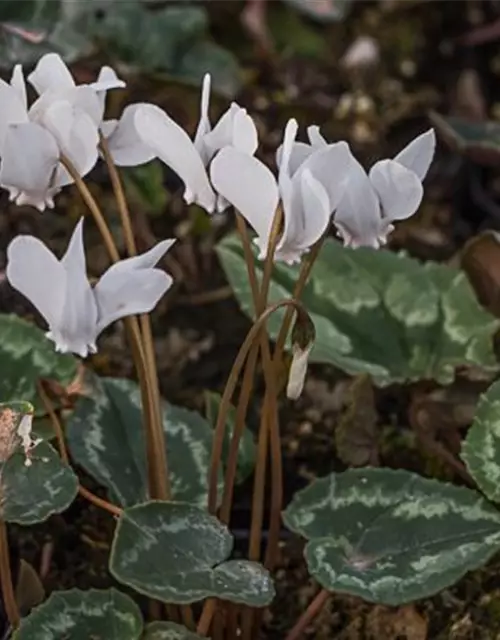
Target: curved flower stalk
311	183
63	120
392	190
75	312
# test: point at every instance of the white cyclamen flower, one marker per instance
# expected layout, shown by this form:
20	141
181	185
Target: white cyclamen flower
149	132
75	312
310	185
391	191
63	120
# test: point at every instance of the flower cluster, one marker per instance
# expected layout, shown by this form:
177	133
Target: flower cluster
64	128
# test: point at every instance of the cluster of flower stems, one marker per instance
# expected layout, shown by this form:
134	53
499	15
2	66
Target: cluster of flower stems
220	620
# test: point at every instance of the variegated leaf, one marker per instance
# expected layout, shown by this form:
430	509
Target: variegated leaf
481	447
106	437
26	355
176	552
33	493
380	313
82	615
168	631
391	536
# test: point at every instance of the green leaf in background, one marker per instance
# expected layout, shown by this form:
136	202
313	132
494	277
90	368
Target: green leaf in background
26	355
176	552
33	493
481	447
478	140
106	437
380	313
168	631
391	536
144	185
247	451
83	615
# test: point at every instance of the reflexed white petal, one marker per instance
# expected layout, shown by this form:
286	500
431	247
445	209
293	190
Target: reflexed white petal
300	152
128	293
417	156
222	134
358	214
77	329
399	190
288	146
174	147
146	260
81	98
249	186
106	80
34	271
316	207
51	74
12	110
19	85
331	165
126	146
204	125
315	137
28	176
244	136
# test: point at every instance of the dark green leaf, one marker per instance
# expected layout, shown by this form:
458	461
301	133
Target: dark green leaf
391	536
33	493
83	615
380	313
26	355
207	57
481	448
176	552
106	437
168	631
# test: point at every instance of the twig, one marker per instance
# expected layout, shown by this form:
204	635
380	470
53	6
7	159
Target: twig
309	614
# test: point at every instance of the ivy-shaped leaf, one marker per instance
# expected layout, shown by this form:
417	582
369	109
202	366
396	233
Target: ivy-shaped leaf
380	313
391	536
168	631
481	448
106	437
175	552
26	355
82	615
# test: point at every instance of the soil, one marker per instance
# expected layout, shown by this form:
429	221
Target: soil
199	328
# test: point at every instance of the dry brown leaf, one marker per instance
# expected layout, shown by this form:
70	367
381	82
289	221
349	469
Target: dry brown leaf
403	623
480	259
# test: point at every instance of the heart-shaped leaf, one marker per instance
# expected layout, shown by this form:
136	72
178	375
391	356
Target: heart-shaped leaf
82	615
481	448
26	355
33	493
247	449
176	552
391	536
168	631
380	313
106	437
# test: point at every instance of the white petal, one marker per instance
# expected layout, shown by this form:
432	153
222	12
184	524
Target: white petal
399	190
51	74
331	165
222	134
315	137
174	147
245	136
146	260
12	109
28	176
204	125
77	331
19	85
300	152
288	146
417	155
126	293
316	208
106	80
358	217
81	98
126	146
249	186
34	271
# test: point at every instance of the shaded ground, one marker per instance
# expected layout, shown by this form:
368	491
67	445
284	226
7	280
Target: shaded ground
199	328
